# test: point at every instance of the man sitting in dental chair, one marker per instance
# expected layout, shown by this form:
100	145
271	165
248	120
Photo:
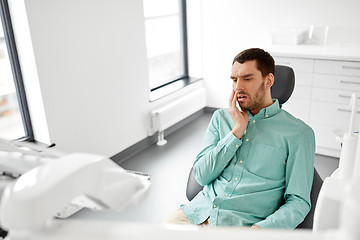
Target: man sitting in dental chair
257	160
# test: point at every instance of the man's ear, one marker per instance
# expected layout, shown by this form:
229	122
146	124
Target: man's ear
269	80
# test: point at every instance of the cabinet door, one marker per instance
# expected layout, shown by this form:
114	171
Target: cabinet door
326	138
299	108
336	96
337	82
298	64
301	92
345	68
330	114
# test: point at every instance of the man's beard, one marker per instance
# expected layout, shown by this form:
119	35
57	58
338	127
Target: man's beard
254	102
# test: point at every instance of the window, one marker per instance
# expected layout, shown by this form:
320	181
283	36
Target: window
166	41
14	115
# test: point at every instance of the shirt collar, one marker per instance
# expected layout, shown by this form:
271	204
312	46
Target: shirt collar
267	112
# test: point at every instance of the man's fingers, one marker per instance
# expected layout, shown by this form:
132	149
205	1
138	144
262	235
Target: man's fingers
234	99
231	96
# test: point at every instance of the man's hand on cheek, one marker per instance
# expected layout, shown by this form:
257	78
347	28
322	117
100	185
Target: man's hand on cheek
240	118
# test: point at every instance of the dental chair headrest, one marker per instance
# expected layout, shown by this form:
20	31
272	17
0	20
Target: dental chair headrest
284	83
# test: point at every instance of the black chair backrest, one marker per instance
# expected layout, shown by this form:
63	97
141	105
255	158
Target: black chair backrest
282	89
284	83
309	219
193	187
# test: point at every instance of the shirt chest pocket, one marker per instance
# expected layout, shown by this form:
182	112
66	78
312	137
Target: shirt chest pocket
267	161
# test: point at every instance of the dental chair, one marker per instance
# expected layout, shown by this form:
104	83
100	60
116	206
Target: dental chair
282	89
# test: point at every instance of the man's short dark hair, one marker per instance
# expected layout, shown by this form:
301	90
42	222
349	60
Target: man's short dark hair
265	62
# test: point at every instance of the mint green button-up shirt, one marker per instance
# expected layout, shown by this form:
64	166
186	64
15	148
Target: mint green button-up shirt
265	178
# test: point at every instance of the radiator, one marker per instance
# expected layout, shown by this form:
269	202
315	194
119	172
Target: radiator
175	111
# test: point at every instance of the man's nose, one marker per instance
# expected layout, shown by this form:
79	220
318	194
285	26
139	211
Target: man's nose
238	86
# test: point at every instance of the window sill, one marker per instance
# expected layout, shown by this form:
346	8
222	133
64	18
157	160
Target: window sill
169	88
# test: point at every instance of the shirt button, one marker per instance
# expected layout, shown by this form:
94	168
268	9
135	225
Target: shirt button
241	161
254	121
214	206
236	179
247	140
267	116
226	194
236	145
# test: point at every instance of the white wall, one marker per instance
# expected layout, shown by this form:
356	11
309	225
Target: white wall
230	26
91	64
92	68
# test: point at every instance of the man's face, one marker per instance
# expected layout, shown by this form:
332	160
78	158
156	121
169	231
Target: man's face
249	85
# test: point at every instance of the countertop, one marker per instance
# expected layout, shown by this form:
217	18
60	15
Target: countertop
313	51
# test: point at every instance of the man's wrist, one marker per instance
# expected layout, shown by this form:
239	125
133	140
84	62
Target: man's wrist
238	132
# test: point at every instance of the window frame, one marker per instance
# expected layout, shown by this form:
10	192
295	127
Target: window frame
16	70
161	90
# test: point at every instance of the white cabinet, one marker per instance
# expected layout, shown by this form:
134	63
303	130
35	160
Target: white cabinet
333	84
321	97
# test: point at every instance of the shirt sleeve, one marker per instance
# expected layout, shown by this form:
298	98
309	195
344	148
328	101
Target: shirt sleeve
216	152
299	179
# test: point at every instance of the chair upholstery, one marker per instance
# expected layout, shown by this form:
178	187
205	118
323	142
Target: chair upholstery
193	187
284	83
309	219
282	89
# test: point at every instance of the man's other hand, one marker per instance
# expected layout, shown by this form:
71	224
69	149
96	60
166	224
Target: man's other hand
255	227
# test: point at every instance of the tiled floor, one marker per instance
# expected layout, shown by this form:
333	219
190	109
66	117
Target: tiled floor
169	167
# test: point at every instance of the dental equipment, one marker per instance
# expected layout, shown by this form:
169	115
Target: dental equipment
331	196
85	180
18	157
